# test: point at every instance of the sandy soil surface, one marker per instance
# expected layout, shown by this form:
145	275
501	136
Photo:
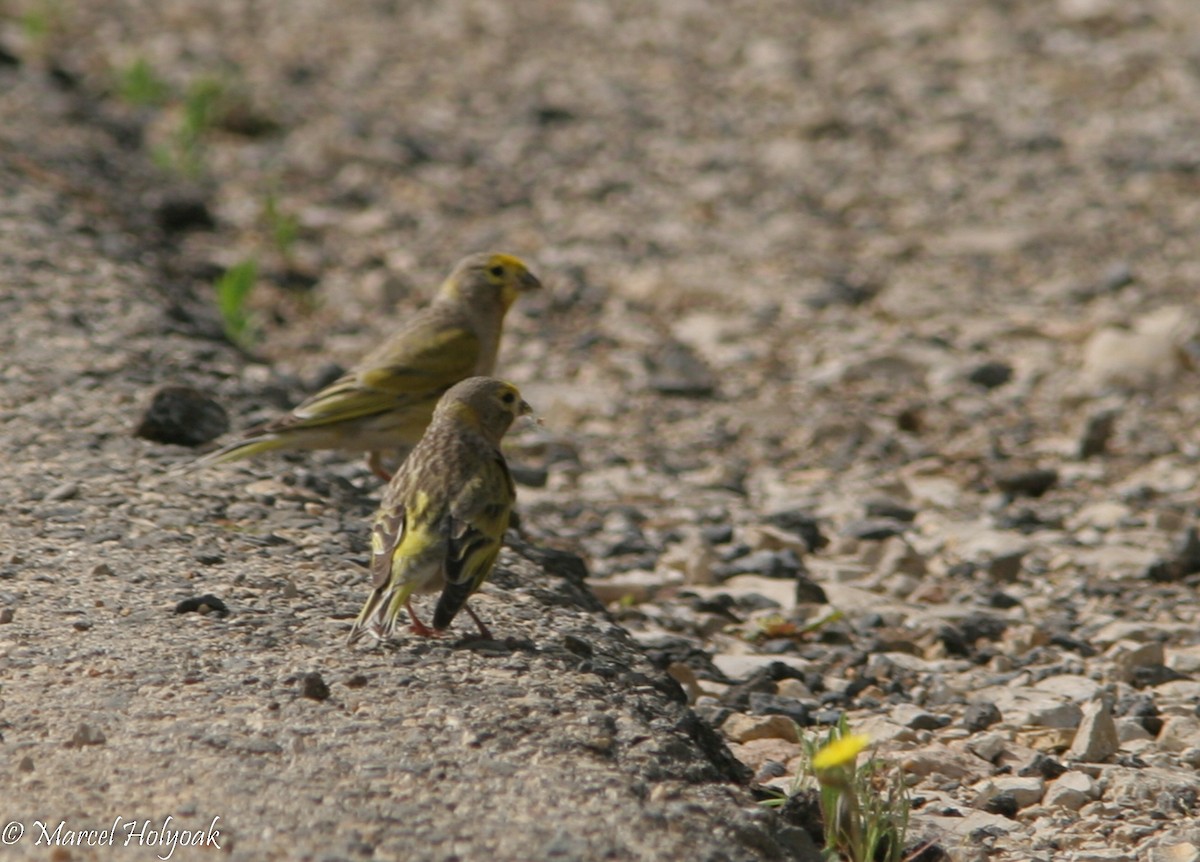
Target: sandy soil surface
919	274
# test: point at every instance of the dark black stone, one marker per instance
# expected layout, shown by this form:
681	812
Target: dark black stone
1154	675
769	564
982	626
314	687
180	212
874	529
1096	434
991	375
809	591
1184	560
530	477
717	534
182	416
1033	482
1004	804
802	524
762	703
675	650
1002	601
883	508
1042	766
202	605
840	291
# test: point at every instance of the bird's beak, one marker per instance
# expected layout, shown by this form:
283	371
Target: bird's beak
527	410
528	282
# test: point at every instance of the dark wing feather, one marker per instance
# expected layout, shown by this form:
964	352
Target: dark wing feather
385	535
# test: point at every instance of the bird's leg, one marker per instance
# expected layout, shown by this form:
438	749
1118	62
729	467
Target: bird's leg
375	463
483	630
418	627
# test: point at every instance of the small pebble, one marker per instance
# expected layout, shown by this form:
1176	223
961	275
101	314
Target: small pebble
314	687
991	375
206	604
87	734
980	716
1025	482
182	416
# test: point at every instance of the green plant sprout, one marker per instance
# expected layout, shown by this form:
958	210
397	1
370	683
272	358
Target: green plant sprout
139	85
233	290
283	227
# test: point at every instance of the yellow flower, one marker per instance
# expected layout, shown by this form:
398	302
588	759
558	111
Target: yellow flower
840	752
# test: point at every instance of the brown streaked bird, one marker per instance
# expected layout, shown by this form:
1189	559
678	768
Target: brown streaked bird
444	513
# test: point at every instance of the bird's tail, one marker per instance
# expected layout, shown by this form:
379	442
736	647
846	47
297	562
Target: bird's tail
454	596
380	614
238	450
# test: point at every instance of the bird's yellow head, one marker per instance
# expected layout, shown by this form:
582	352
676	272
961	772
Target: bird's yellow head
486	404
490	276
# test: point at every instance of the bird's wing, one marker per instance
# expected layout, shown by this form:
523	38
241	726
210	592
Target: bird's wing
430	363
386	534
479	515
388	381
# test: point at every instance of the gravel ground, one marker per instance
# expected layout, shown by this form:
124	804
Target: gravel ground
883	308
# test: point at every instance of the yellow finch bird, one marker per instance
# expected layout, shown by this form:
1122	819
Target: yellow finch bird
443	516
386	400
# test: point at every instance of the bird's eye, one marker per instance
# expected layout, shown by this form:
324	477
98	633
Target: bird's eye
508	398
496	271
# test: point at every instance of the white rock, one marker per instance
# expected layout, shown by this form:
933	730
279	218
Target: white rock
938	759
633	586
1185	852
1131	788
911	715
896	557
1071	790
959	831
1030	707
1153	349
1131	730
1104	515
1185	692
979	543
882	729
793	688
740	667
990	746
742	728
692	557
1185	659
1099	854
1126	630
1025	790
890	665
1070	686
1128	656
1179	732
936	491
764	537
779	590
1096	740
